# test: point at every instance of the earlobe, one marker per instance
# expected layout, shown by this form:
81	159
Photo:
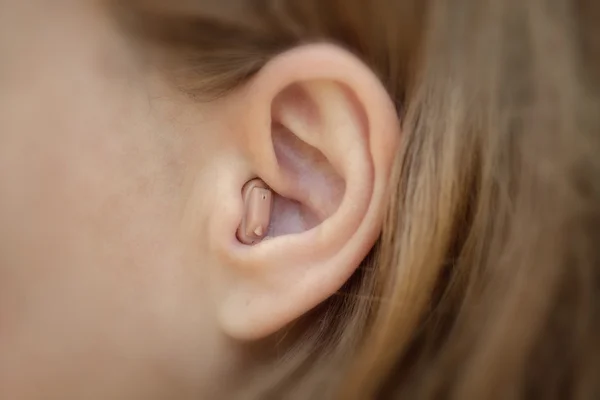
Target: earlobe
321	133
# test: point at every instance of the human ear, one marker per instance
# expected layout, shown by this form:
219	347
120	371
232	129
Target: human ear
317	126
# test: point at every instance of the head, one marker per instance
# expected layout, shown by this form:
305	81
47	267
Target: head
435	199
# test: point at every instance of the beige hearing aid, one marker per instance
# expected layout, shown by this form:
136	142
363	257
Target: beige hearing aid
258	200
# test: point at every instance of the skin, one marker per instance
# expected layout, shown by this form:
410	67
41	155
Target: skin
97	281
120	275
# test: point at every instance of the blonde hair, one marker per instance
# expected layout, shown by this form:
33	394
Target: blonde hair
483	283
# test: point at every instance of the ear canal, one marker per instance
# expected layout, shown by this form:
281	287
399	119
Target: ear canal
258	202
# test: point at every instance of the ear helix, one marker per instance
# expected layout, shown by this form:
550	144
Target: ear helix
258	200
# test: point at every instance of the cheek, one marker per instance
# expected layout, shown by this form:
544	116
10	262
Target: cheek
88	210
96	267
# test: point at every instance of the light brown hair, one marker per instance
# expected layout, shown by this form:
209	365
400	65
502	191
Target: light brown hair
485	279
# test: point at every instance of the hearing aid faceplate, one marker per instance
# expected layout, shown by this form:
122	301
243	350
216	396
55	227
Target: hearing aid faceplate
258	200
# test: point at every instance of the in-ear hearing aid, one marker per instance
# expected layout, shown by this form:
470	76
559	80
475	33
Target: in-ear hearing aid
258	200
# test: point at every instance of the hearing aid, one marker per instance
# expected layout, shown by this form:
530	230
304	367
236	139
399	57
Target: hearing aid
258	201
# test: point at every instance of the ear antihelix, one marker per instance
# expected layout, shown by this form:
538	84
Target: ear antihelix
258	202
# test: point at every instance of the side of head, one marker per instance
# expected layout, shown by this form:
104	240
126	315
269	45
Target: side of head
427	206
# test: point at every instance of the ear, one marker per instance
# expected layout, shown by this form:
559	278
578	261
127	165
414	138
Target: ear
319	128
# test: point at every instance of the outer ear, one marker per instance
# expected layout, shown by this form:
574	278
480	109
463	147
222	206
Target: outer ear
320	129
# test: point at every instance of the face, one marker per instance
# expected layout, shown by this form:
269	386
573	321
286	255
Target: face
100	271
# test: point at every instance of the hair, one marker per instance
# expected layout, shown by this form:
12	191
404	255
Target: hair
484	281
